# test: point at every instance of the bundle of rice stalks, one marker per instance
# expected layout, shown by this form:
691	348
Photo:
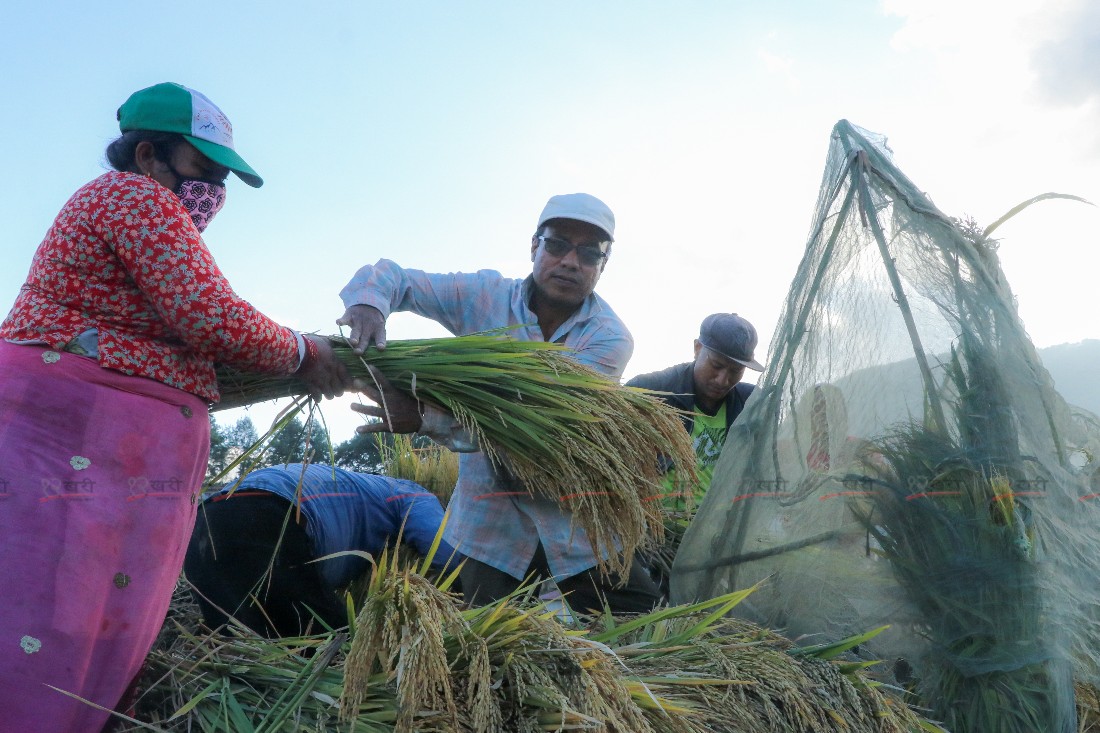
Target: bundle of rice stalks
497	667
961	542
235	681
785	687
241	683
415	659
1088	708
402	624
563	430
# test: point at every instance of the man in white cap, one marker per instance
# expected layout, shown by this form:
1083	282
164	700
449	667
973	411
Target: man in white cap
710	393
507	533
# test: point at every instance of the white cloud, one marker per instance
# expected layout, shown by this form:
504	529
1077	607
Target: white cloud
782	66
1067	64
1049	46
774	62
957	24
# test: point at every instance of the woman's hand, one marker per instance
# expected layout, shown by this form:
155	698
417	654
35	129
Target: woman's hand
323	373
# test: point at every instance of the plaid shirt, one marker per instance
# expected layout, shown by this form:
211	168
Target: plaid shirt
498	524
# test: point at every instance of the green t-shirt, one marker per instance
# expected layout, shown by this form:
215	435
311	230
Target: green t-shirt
708	433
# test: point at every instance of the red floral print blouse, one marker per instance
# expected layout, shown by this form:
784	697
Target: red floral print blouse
124	257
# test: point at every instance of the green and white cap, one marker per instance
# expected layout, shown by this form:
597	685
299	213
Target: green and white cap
172	107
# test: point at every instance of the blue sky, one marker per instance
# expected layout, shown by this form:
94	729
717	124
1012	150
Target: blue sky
433	132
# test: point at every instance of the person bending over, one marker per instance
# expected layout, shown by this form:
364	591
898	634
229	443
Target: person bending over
255	552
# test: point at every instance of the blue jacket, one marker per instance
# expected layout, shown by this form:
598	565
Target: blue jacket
354	511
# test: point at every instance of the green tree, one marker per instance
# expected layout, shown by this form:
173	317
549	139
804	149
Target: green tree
360	454
219	450
243	434
227	443
298	442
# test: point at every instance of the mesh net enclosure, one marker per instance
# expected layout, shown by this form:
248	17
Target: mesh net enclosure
906	461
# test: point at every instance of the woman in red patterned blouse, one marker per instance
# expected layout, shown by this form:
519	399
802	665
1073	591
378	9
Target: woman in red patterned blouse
107	357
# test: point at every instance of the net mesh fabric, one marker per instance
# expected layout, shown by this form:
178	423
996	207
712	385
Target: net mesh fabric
906	460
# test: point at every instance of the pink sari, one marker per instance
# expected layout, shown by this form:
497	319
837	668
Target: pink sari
98	476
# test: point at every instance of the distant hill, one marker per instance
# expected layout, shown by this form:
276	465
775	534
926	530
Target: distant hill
897	393
1075	369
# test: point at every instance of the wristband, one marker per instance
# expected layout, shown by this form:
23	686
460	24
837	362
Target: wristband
313	354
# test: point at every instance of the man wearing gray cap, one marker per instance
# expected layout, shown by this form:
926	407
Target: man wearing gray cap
507	533
711	394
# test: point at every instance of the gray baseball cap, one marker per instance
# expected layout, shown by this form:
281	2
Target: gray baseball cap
731	336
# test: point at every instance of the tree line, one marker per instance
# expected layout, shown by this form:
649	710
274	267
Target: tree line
298	442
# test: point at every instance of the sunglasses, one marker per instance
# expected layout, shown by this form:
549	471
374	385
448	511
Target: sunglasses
587	254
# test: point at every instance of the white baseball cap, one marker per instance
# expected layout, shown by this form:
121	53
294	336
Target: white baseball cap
580	207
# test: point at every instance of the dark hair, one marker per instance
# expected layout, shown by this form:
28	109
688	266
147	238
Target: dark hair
120	153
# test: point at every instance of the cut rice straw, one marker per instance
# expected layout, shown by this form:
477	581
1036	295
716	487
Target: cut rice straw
417	660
